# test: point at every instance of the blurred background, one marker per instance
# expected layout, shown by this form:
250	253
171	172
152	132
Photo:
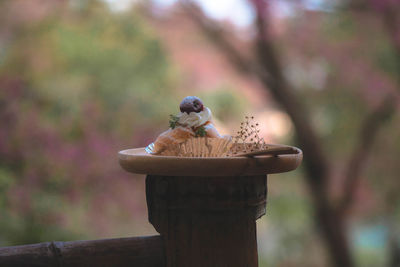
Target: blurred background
81	80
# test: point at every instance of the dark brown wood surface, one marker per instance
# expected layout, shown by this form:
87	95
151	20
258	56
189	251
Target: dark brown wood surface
137	160
135	251
207	221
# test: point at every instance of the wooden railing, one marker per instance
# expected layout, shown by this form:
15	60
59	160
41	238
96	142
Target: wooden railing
144	251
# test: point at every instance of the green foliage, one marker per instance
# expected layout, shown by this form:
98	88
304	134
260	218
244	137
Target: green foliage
383	57
112	61
225	104
6	179
87	82
173	121
201	132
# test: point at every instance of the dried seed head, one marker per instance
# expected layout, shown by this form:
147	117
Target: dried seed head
248	138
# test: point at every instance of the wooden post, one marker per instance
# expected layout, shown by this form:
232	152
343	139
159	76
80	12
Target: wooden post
207	221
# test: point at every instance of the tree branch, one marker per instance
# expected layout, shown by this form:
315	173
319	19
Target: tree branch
376	119
266	67
367	136
317	164
218	36
268	71
330	224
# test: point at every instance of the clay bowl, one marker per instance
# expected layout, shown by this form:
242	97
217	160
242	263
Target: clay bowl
137	160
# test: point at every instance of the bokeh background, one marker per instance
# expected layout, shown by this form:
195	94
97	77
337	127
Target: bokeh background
81	80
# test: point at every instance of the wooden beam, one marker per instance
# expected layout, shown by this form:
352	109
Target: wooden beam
146	251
